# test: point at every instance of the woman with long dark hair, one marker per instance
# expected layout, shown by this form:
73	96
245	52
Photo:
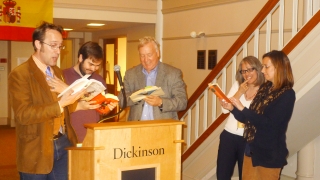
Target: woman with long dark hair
266	120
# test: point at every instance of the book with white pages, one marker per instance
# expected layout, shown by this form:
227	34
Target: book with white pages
92	86
143	93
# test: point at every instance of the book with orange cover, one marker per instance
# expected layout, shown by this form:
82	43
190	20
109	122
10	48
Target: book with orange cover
214	87
95	92
104	99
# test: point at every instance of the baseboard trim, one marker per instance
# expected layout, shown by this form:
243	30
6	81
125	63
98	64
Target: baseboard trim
3	121
7	121
285	177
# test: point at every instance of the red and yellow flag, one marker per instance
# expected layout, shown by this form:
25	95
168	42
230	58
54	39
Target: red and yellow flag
19	18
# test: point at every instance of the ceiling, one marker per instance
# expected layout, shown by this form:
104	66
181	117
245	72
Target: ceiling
79	25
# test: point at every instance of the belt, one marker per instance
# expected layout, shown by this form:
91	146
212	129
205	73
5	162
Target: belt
57	136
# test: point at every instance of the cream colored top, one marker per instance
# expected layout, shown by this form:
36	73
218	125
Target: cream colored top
232	124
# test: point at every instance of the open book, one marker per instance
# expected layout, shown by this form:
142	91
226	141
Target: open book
143	93
104	99
214	87
92	86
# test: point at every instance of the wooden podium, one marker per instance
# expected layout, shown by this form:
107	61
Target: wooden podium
128	150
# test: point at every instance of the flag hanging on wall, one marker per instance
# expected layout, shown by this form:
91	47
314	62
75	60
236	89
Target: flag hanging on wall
19	18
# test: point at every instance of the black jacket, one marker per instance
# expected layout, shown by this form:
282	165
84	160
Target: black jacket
269	147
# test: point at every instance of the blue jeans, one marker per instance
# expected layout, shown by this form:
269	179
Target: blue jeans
60	163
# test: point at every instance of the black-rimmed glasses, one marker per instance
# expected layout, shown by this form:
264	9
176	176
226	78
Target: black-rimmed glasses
54	46
248	70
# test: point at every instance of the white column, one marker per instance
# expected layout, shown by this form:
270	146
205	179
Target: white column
159	25
308	8
305	167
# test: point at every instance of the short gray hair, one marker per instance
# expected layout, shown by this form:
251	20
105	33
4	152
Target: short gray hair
148	39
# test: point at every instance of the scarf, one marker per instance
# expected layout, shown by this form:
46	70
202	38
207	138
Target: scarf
263	98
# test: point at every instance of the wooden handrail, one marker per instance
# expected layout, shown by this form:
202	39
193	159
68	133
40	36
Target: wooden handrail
305	30
233	49
203	136
215	71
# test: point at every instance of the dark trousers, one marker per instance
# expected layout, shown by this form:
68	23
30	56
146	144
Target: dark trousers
231	150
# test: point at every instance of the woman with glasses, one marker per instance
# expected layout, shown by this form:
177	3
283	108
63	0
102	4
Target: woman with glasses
232	145
267	119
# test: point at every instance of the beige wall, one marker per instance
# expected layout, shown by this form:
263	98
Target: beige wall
20	50
66	55
133	35
179	49
191	4
122	56
140	11
13	51
3	83
117	5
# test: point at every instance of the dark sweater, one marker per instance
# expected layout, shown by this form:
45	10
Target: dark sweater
269	147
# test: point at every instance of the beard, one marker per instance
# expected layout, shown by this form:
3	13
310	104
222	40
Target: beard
81	69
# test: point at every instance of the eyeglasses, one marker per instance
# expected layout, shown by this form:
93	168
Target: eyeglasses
54	46
248	70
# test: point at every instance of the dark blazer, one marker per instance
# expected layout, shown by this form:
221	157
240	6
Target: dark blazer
269	147
169	79
34	112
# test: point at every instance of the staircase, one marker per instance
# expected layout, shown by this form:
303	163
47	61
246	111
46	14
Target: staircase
290	25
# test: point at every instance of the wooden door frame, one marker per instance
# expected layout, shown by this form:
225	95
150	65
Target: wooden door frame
115	42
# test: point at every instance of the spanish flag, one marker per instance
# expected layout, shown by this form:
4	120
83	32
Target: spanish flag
19	18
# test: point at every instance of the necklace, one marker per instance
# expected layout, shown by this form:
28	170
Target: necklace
251	97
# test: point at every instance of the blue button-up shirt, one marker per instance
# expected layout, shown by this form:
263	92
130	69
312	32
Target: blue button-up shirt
147	112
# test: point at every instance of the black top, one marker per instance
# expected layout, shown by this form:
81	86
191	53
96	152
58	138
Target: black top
269	147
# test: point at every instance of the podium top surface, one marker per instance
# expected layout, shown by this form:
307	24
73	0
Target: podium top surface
133	124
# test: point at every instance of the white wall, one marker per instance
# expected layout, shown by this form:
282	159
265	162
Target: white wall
291	168
317	159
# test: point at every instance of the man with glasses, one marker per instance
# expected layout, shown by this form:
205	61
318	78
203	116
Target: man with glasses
42	120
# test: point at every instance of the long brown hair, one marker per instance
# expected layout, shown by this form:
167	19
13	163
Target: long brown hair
283	75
